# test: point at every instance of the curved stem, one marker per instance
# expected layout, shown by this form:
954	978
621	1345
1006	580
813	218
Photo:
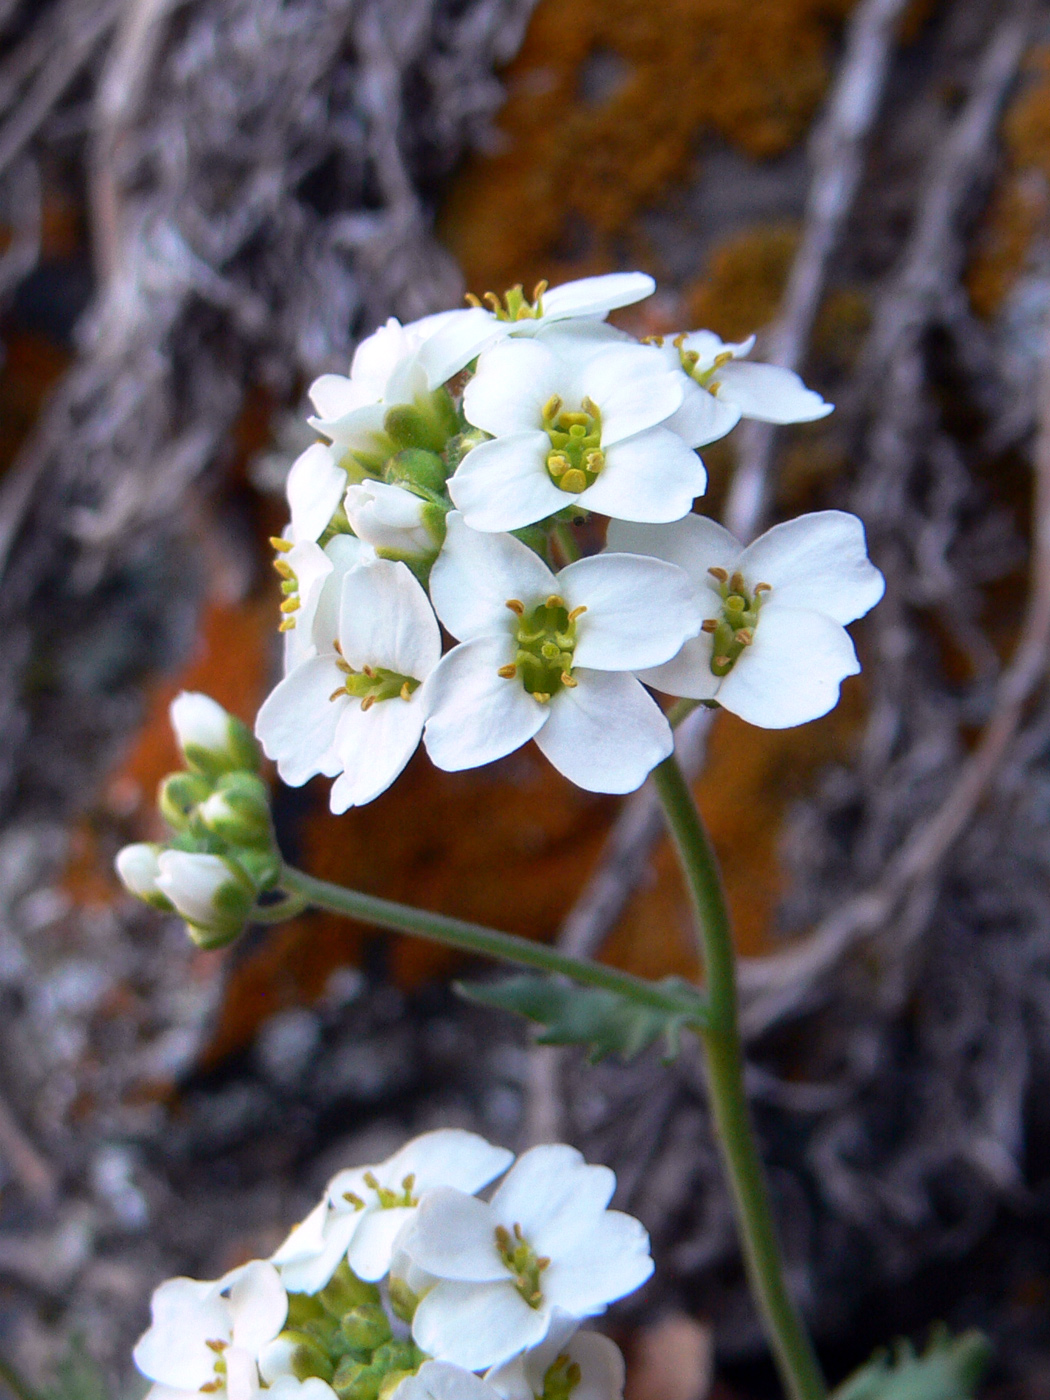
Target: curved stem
476	938
792	1349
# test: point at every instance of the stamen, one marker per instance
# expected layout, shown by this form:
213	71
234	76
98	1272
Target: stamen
508	672
538	290
216	1345
210	1387
283	568
354	1199
554	601
336	693
405	692
369	671
573	481
338	646
472	300
368	702
491	300
577	612
516	606
763	588
736	583
282	546
291	605
568	681
744	635
717	572
540	696
710	625
721	660
288	625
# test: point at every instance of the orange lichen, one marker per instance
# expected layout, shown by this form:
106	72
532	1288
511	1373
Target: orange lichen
741	285
606	104
1020	203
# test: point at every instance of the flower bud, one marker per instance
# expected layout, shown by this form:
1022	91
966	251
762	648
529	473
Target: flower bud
212	893
138	867
428	423
212	741
414	467
344	1290
392	520
294	1353
366	1327
238	811
178	797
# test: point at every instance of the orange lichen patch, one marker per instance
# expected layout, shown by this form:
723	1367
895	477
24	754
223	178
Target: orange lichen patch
606	102
1020	203
751	777
740	288
32	365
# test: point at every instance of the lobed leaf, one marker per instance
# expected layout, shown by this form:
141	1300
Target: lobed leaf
950	1369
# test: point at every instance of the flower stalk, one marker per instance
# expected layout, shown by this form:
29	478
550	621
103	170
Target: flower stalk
792	1349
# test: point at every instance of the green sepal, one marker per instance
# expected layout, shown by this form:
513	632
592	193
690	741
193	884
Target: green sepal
951	1368
416	466
461	444
238	811
240	750
262	867
366	1327
307	1356
606	1022
178	797
537	539
428	423
344	1290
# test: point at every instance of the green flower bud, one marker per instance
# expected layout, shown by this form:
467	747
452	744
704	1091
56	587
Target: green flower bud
212	893
178	797
357	1380
402	1300
301	1354
366	1327
238	811
212	741
416	467
344	1291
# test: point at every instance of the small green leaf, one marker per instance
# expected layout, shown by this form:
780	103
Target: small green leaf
607	1022
950	1369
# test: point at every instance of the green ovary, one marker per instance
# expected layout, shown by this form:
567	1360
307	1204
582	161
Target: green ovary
522	1261
374	683
575	457
689	360
734	630
546	640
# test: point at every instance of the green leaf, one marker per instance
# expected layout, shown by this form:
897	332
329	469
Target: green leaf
607	1022
950	1369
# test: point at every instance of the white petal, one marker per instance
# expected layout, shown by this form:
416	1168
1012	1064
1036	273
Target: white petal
695	543
513	382
297	722
602	1371
311	566
652	476
314	488
639	610
377	355
689	673
476	1324
345	552
608	1264
522	1378
702	418
440	1380
446	1157
476	573
457	342
373	1243
554	1195
186	1315
504	484
818	562
709	346
311	1275
385	619
453	1237
606	735
356	429
792	671
632	388
597	296
259	1306
334	395
306	1240
242	1376
576	341
475	714
388	517
373	747
769	393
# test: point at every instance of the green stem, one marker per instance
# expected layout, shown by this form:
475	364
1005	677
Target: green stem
566	541
475	938
792	1350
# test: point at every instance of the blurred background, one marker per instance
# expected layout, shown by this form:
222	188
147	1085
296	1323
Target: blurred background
203	204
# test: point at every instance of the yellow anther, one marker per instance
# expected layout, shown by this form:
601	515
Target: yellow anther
508	672
283	568
289	587
216	1345
552	407
288	625
657	340
281	546
336	693
352	1198
710	624
408	1182
679	340
577	612
543	1262
471	299
594	460
722	575
291	605
568	681
558	464
210	1387
491	300
722	358
744	635
763	588
736	583
590	407
721	660
370	1180
404	692
555	601
573	480
541	697
516	606
539	289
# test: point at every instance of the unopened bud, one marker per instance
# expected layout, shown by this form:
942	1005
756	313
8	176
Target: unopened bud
418	425
179	796
416	467
356	1380
344	1291
392	519
212	893
366	1327
138	867
294	1353
238	811
212	741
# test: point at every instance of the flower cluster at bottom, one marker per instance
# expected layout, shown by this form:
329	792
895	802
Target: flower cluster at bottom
404	1281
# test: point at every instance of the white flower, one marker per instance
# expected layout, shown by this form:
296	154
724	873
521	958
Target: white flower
774	649
592	1363
212	893
207	1336
544	1247
314	488
395	521
138	866
571	429
440	1380
721	388
464	334
364	1208
545	656
317	575
355	709
211	740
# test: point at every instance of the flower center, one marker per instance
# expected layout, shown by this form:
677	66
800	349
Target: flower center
515	306
690	360
210	1387
575	457
560	1379
522	1261
388	1200
372	683
546	638
734	628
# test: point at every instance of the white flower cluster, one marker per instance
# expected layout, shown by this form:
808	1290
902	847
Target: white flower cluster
459	453
404	1282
